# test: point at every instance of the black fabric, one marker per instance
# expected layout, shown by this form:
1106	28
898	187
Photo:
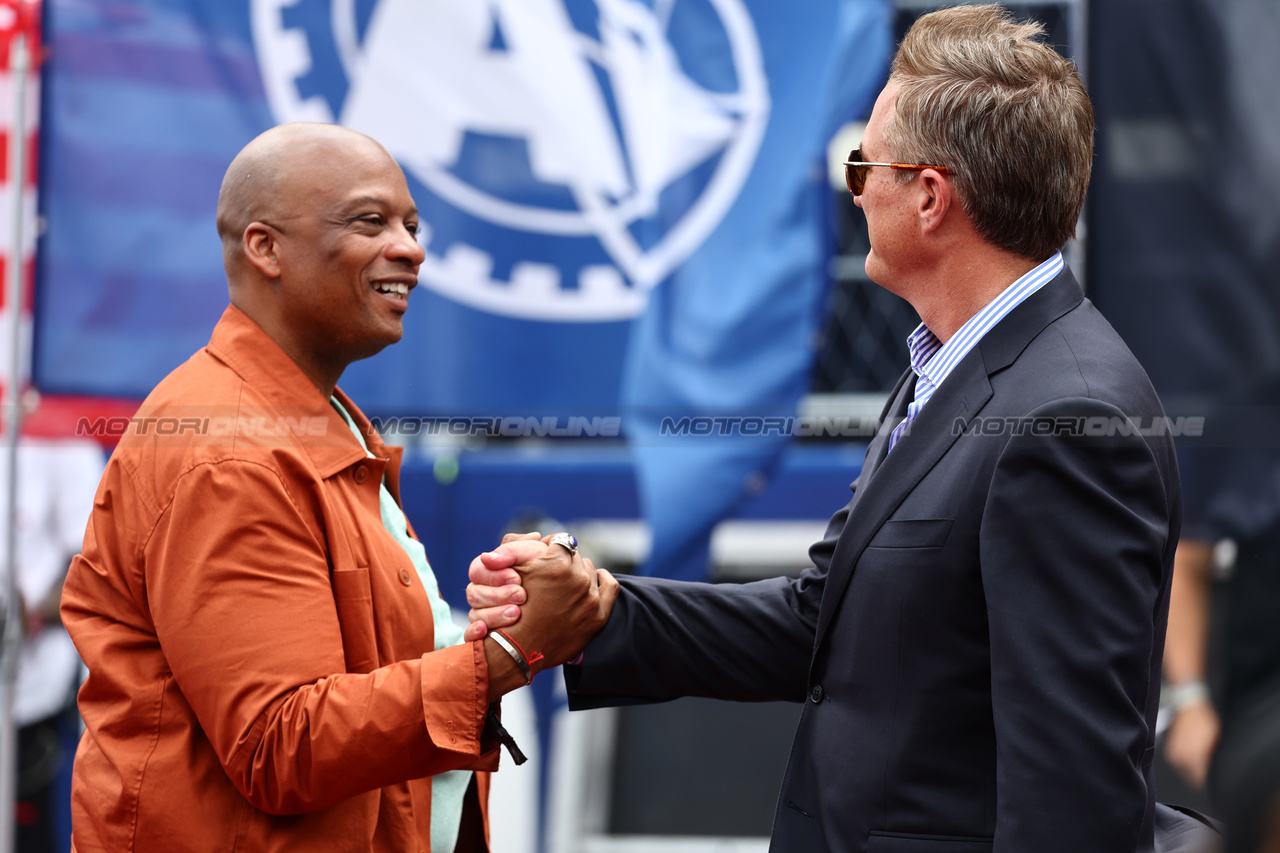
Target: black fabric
1245	776
1253	623
1232	482
471	826
42	759
1183	830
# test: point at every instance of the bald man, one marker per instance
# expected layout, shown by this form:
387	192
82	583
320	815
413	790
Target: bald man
271	666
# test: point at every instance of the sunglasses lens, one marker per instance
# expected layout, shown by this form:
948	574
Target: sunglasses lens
855	177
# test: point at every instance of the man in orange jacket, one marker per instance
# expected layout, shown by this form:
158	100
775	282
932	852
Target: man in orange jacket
271	667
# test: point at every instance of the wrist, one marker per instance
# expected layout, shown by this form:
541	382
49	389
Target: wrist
526	660
504	673
513	650
1177	697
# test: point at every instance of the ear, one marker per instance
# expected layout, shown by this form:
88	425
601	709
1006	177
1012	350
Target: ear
261	248
935	200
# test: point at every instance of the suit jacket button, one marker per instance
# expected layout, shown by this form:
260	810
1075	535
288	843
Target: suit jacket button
361	474
815	695
406	578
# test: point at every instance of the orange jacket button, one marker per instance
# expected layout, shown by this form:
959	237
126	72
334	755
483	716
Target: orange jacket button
362	473
406	578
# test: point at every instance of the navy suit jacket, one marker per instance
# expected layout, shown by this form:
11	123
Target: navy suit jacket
978	644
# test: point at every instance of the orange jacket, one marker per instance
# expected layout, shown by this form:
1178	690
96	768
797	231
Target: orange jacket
260	649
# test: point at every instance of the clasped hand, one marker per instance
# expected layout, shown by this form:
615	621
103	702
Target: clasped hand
545	597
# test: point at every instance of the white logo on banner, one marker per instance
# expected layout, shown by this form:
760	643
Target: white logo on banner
427	74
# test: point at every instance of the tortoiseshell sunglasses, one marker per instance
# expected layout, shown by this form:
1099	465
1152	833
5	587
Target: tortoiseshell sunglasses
855	170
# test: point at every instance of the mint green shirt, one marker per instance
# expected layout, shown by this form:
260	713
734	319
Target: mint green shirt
448	788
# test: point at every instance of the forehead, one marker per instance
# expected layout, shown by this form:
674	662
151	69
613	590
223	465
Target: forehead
350	174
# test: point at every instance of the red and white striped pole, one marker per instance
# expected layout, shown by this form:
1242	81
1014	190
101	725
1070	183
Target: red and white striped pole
20	47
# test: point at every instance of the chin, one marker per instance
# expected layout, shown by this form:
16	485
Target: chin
876	272
374	345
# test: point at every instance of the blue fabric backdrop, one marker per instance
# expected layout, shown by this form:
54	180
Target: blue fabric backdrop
623	202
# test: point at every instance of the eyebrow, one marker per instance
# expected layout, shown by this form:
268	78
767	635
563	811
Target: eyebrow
373	199
364	199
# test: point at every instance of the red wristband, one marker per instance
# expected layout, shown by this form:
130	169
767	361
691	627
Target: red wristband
529	660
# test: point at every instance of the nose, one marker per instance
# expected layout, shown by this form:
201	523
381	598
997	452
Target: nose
405	246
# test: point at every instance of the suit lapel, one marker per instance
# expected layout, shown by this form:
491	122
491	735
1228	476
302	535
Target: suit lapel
894	413
892	476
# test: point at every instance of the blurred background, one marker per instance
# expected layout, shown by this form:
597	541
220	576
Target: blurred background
643	316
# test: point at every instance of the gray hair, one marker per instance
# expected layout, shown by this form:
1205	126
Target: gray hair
979	93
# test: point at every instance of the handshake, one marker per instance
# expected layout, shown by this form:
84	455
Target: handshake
539	601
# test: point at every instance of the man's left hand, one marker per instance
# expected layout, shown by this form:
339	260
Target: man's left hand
496	592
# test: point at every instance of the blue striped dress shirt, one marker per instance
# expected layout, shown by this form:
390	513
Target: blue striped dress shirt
933	361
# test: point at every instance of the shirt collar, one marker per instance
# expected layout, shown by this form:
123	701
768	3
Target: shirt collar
933	361
243	346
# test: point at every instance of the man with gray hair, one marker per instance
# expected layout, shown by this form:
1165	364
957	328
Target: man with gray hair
978	644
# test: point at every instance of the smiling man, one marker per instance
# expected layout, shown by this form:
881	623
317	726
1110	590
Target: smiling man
271	665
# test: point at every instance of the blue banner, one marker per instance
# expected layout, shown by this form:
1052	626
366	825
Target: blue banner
722	356
622	203
570	158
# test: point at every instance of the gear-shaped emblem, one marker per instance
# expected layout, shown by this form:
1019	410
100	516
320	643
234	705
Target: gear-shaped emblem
567	155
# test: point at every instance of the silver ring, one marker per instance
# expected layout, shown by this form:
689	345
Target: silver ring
565	540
